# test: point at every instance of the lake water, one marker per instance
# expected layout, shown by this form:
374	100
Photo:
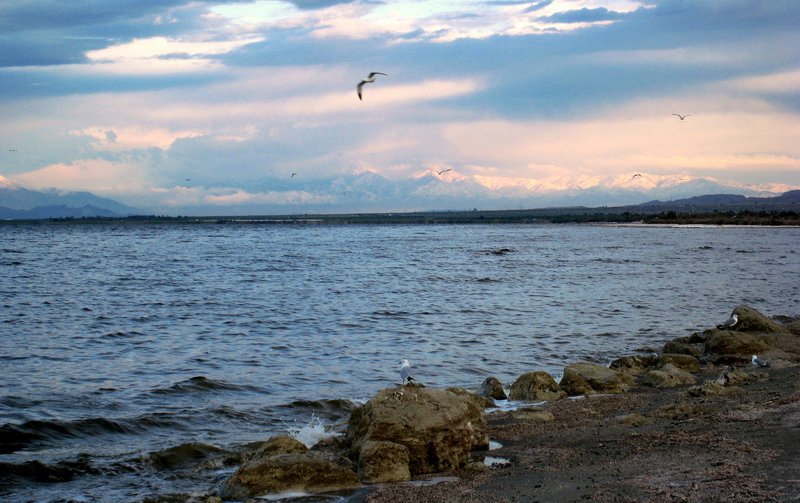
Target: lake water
120	341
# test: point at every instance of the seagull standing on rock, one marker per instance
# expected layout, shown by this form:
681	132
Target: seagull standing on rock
758	362
367	80
728	325
406	372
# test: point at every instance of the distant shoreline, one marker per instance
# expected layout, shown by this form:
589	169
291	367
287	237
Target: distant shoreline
535	216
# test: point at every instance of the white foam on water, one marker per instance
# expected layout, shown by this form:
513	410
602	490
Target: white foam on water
312	433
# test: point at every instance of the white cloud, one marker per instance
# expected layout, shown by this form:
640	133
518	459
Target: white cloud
120	139
161	55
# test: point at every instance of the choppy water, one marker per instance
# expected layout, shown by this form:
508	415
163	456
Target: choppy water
121	341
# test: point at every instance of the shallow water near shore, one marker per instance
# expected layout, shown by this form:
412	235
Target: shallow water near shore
131	354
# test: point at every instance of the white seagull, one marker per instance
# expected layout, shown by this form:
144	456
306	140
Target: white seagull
681	117
758	362
406	372
730	323
367	80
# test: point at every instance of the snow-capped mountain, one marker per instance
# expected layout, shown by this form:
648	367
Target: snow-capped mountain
440	188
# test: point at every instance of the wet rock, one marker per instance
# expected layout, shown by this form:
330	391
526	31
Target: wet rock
438	427
668	376
383	462
480	403
792	327
734	343
682	348
686	363
584	378
280	444
751	320
634	365
536	387
288	472
493	388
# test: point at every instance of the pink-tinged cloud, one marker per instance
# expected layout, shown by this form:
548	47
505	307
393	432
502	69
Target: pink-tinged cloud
96	175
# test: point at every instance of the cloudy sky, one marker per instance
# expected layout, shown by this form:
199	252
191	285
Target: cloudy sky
130	98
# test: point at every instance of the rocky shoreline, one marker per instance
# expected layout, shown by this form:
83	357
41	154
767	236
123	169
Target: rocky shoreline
696	421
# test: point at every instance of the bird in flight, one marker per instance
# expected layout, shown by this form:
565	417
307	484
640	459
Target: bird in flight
681	117
12	150
440	172
637	175
293	175
367	80
188	179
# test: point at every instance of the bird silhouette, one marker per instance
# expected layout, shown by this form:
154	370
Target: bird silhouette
440	172
293	175
637	175
681	117
367	80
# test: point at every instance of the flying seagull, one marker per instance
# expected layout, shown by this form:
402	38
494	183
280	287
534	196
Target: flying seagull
636	176
730	323
370	78
758	362
440	172
406	373
293	175
681	117
188	179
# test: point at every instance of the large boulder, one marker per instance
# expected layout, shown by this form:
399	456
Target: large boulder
585	378
438	427
288	472
667	377
751	320
380	461
535	387
493	388
734	343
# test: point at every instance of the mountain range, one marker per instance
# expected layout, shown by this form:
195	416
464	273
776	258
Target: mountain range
368	191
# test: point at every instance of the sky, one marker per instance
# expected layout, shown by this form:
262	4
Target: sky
173	103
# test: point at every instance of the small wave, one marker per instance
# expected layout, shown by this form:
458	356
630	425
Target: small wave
36	471
390	313
198	384
181	456
15	437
